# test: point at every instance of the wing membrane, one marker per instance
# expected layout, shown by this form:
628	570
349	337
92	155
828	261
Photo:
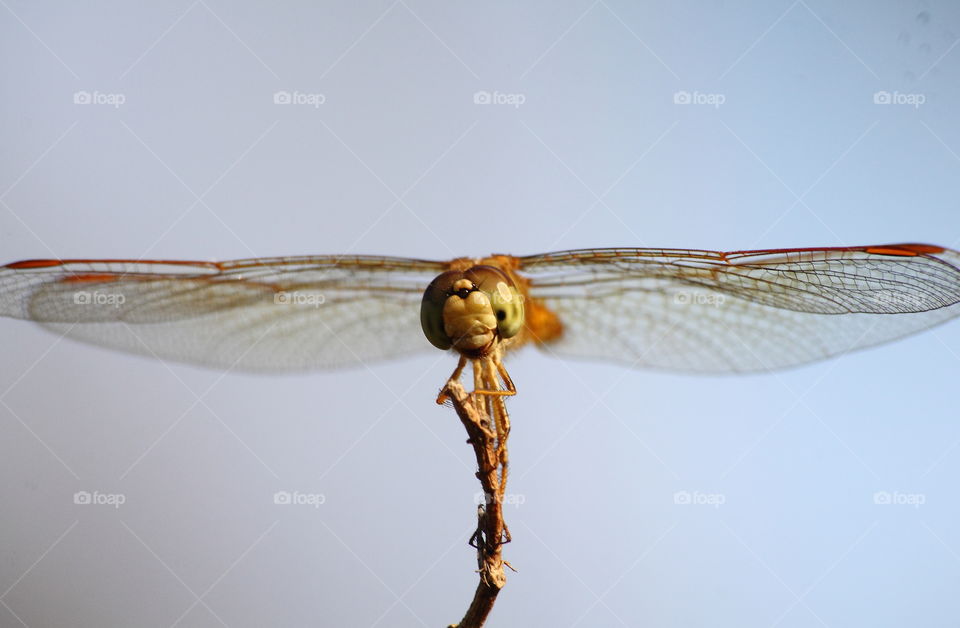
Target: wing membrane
714	312
276	314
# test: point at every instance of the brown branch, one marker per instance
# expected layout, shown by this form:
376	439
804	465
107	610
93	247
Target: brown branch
478	415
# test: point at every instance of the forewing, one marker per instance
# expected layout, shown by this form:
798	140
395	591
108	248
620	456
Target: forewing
278	314
713	312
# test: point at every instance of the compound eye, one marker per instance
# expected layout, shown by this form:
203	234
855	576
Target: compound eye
431	308
505	298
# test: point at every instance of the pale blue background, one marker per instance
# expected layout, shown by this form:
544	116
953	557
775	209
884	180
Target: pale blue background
597	452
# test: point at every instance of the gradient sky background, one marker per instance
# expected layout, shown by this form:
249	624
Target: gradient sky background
798	154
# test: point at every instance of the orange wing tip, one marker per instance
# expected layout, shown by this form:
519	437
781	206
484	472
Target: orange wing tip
35	263
905	250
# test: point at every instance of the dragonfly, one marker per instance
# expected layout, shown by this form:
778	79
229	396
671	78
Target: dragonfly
684	310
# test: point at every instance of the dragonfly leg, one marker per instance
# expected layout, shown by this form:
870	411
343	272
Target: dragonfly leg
493	388
479	401
455	376
496	408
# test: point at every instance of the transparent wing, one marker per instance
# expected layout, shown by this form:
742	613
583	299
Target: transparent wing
707	311
278	314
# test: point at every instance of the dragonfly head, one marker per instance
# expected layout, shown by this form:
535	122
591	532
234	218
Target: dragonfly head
469	310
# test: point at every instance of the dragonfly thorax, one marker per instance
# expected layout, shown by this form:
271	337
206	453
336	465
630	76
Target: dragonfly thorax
470	310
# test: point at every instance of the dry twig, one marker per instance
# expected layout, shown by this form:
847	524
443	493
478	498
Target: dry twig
487	424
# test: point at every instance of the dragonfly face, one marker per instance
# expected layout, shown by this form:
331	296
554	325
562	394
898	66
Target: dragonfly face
470	310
